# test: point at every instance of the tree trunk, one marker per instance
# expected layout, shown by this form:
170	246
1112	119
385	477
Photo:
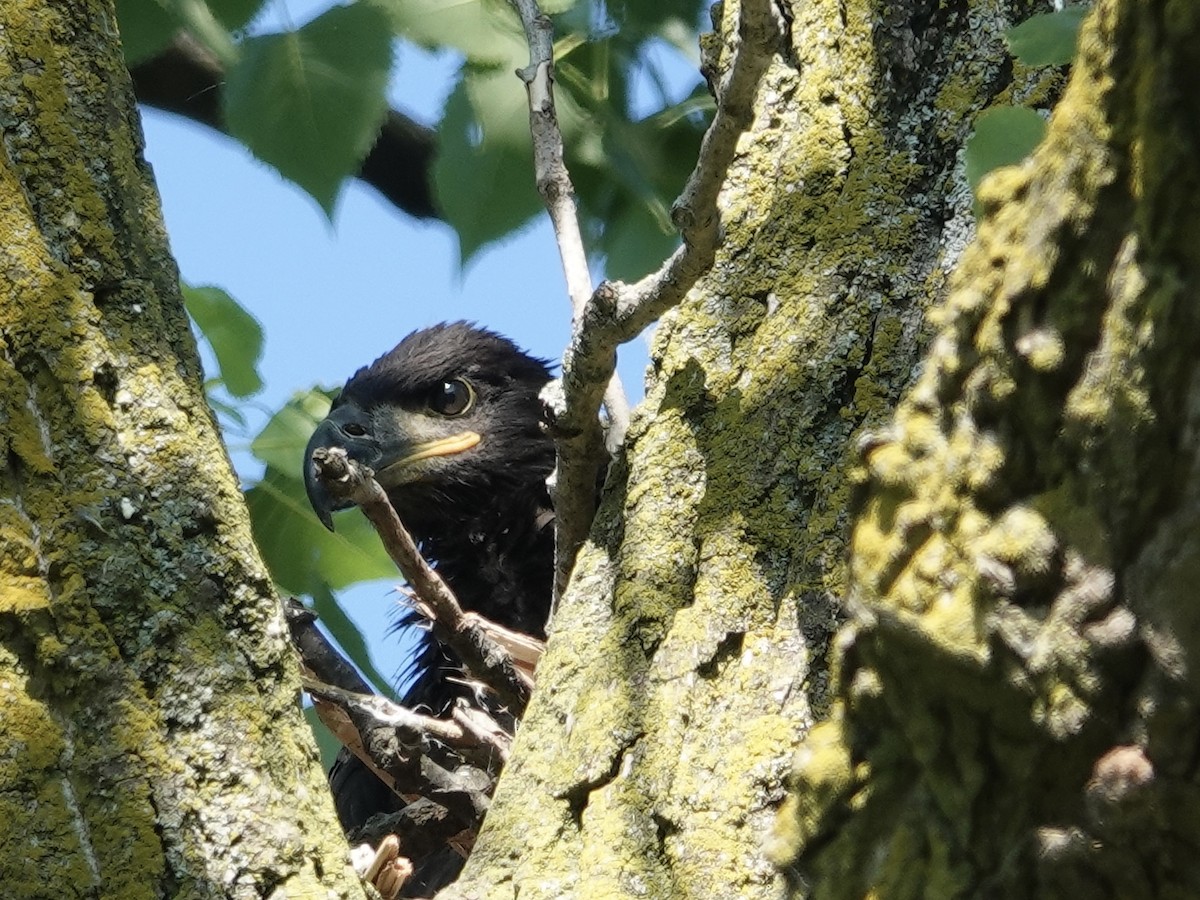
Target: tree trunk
689	655
151	742
1016	706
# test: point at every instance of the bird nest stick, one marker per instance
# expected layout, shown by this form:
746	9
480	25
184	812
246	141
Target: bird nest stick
484	657
444	768
413	754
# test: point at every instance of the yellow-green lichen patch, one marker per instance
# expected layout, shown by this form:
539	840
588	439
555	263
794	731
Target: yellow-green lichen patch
617	857
115	463
93	824
822	777
21	594
32	740
1021	538
992	495
54	98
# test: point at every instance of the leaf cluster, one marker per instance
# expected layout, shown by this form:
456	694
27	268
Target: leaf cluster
309	100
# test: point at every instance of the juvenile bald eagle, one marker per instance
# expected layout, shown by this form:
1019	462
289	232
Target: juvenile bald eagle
450	421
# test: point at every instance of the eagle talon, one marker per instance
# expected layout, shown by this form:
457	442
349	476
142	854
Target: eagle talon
383	868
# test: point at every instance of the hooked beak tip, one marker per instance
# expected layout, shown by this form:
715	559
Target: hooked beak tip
322	504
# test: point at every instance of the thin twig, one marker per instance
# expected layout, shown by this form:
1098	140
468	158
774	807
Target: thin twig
410	770
554	183
525	649
483	728
319	657
558	193
483	657
415	729
414	755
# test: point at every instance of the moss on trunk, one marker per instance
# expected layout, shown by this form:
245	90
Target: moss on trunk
153	740
1016	696
689	655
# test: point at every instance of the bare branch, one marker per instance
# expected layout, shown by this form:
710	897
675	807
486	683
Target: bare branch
317	655
483	728
483	657
392	742
553	181
414	755
414	729
618	312
558	193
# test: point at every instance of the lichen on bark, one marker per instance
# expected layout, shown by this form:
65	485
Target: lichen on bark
687	658
1013	688
153	740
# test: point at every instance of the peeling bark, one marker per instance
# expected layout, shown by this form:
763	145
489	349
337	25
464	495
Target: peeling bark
688	657
1017	698
151	743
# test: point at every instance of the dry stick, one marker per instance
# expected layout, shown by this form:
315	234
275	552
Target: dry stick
318	656
586	447
363	723
413	729
617	312
347	479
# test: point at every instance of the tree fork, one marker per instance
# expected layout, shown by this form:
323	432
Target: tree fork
688	655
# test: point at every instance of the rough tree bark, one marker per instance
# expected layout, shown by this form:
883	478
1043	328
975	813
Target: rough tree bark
689	655
994	727
1017	700
151	742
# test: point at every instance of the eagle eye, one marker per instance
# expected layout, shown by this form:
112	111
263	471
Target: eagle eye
451	398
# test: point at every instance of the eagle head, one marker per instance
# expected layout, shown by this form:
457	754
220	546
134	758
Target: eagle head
449	420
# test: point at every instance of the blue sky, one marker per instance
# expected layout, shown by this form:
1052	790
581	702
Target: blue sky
332	297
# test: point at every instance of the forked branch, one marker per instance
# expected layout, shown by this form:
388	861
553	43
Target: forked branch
616	312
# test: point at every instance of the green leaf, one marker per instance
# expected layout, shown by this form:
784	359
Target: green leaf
300	554
483	173
228	413
310	101
1003	136
350	639
235	14
146	28
327	745
235	336
635	243
1047	39
282	441
653	18
487	32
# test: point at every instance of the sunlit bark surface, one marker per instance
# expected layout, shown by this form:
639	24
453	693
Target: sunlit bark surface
151	743
1016	704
